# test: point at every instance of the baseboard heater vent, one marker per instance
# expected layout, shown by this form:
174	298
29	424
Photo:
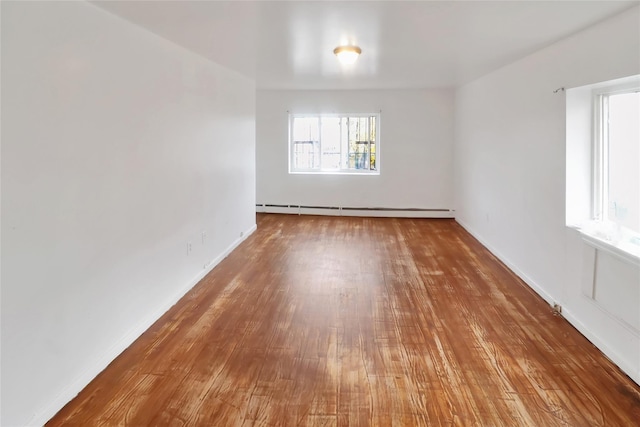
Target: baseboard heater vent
355	211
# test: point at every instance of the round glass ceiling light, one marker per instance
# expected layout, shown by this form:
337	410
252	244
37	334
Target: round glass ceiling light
347	54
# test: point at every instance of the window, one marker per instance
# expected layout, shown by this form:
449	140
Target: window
334	143
603	165
617	159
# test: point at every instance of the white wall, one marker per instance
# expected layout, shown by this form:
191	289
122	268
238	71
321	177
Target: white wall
510	158
118	148
415	151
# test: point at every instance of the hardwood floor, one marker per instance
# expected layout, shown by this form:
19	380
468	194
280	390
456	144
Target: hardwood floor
334	321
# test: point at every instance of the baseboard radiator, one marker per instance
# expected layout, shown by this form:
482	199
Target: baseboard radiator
355	211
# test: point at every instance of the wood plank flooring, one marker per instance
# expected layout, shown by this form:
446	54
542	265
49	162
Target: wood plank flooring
334	321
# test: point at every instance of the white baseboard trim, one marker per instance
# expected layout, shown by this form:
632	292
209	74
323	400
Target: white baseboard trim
80	382
627	368
528	280
356	211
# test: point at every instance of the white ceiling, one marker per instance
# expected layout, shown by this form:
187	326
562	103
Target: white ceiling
405	44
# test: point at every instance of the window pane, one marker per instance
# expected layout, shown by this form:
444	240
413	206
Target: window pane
306	143
344	143
359	144
331	143
624	160
306	129
372	138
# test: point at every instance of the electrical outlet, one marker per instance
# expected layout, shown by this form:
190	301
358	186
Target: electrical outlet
204	237
188	248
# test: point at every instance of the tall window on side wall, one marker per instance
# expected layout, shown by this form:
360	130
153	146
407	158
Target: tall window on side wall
616	198
341	144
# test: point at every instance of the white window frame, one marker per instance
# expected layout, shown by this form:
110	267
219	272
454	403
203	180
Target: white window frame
342	170
600	146
598	232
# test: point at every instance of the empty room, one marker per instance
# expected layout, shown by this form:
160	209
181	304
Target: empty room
320	213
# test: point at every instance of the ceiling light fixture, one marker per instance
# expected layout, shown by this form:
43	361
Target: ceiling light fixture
347	54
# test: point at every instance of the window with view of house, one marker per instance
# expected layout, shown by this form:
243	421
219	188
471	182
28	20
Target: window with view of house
334	143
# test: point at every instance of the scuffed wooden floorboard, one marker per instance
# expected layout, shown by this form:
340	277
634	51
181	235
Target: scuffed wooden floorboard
329	321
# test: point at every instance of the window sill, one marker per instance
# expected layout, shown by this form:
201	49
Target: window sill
333	172
626	247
